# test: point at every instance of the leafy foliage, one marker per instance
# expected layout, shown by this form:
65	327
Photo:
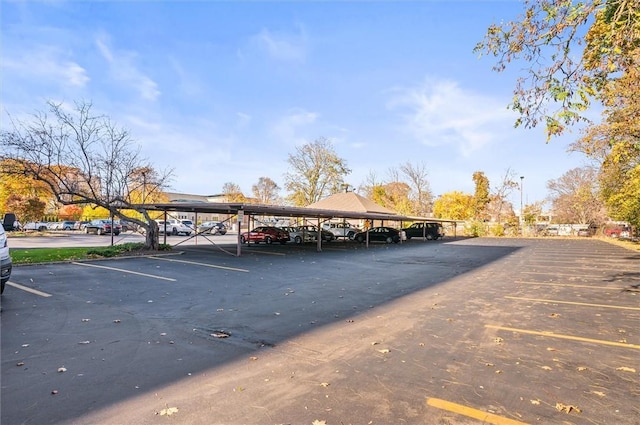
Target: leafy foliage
454	205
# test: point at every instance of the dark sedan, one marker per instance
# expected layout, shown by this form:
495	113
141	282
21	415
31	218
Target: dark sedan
266	234
102	227
379	234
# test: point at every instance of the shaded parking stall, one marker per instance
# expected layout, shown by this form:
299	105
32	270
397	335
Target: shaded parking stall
244	214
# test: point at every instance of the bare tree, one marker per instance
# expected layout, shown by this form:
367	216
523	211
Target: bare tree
366	188
574	197
420	194
499	206
83	159
316	172
266	190
232	192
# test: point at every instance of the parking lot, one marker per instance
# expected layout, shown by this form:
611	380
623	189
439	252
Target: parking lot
457	331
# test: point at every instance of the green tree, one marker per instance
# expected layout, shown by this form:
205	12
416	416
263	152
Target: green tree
82	159
454	205
567	70
316	172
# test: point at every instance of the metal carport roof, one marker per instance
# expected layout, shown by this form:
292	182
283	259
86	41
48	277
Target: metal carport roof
233	208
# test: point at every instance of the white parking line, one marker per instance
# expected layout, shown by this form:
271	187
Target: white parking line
27	289
124	271
198	264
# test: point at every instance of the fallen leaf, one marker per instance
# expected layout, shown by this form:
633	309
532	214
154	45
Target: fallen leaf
324	384
84	342
221	334
62	369
317	422
20	364
253	358
116	321
168	411
85	320
554	315
600	393
546	367
582	368
567	408
551	349
536	402
626	369
384	350
498	340
54	392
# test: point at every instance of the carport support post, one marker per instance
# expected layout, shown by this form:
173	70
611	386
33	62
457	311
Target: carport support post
240	215
165	227
319	241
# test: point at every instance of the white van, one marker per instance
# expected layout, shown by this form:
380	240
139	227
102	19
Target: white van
5	259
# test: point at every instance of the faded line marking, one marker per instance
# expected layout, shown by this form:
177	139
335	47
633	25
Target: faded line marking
569	337
568	285
27	289
124	271
195	263
485	417
619	307
262	252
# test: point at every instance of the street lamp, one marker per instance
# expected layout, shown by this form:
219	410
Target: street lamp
521	207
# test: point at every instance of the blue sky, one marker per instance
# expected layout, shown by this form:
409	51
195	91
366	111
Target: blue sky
223	91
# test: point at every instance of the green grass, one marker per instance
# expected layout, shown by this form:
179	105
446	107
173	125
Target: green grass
49	255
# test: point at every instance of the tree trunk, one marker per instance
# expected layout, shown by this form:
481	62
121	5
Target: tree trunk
151	241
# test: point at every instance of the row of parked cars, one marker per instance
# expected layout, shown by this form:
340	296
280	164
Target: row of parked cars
332	231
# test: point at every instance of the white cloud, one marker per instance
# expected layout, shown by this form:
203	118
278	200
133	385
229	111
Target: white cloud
122	67
287	128
440	112
48	63
287	47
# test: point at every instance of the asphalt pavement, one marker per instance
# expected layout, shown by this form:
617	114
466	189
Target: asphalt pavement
459	331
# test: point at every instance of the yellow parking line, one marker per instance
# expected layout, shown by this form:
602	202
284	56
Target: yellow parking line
27	289
124	271
486	418
568	285
569	337
198	264
619	307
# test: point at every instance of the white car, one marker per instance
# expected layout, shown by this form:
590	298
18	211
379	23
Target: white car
5	259
40	226
341	230
173	227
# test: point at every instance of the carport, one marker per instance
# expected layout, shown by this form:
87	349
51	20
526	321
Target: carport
240	210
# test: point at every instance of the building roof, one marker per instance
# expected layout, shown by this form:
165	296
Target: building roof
350	201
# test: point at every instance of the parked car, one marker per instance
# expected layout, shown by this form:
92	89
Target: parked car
173	227
341	230
431	231
40	226
189	224
212	227
5	260
300	234
327	236
10	222
266	234
379	234
128	226
102	226
67	225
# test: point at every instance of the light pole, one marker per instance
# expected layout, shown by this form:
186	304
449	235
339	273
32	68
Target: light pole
521	207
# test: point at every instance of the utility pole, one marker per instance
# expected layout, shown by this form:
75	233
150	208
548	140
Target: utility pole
521	207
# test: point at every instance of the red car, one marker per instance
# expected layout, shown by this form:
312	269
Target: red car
265	234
